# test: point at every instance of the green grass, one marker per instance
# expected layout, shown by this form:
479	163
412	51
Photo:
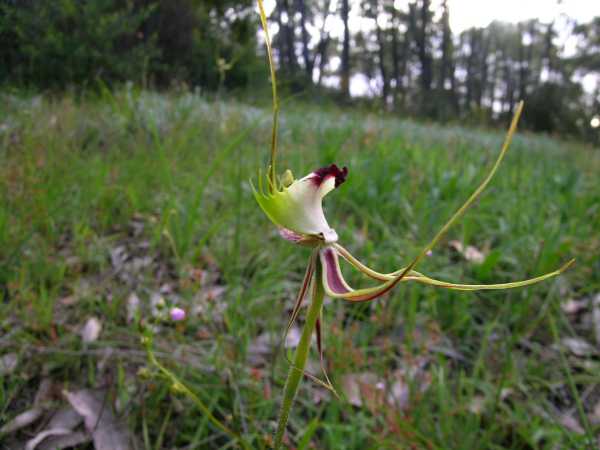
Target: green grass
165	177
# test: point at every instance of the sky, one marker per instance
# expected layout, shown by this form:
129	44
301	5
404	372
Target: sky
469	13
473	13
479	13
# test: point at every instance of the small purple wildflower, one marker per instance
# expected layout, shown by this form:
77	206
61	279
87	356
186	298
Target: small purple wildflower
177	314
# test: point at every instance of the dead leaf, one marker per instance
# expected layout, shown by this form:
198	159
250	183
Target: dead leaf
107	432
65	417
505	393
69	300
259	349
470	253
33	443
571	424
105	359
60	427
595	416
266	343
215	292
138	264
91	330
578	346
204	333
8	363
70	440
574	306
363	389
372	391
133	307
118	256
596	317
399	394
31	415
476	404
22	420
293	338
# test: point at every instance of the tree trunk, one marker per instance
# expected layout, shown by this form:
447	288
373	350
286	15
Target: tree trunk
382	69
510	90
446	47
523	66
322	46
287	32
322	51
395	56
470	82
345	63
424	56
494	78
308	62
484	68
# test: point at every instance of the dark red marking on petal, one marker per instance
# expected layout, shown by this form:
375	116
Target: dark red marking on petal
337	284
385	288
332	270
323	173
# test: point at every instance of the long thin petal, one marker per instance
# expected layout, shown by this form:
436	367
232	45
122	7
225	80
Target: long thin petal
479	287
421	278
319	334
310	269
308	276
461	211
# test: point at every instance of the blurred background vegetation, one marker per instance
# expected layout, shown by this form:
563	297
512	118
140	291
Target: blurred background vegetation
405	59
128	133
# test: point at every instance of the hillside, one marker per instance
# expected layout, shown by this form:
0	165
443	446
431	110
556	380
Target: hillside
117	207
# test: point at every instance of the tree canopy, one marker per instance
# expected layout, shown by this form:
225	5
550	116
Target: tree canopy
406	59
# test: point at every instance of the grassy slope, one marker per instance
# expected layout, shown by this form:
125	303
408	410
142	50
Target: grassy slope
166	177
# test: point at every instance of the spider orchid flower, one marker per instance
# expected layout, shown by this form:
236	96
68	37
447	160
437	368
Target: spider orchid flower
295	207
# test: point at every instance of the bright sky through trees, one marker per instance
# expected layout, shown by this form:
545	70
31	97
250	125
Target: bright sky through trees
465	14
479	13
468	13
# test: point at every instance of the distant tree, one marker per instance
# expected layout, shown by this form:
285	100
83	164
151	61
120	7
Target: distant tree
555	108
400	54
420	19
406	51
374	9
588	50
345	60
322	47
78	42
304	12
63	42
286	37
446	68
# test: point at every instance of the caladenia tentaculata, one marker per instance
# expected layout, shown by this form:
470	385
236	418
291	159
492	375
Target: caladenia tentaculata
295	207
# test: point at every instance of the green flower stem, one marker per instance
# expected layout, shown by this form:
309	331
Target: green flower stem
297	368
178	386
272	173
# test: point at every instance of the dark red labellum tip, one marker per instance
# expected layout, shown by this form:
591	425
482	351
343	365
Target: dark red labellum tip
332	170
